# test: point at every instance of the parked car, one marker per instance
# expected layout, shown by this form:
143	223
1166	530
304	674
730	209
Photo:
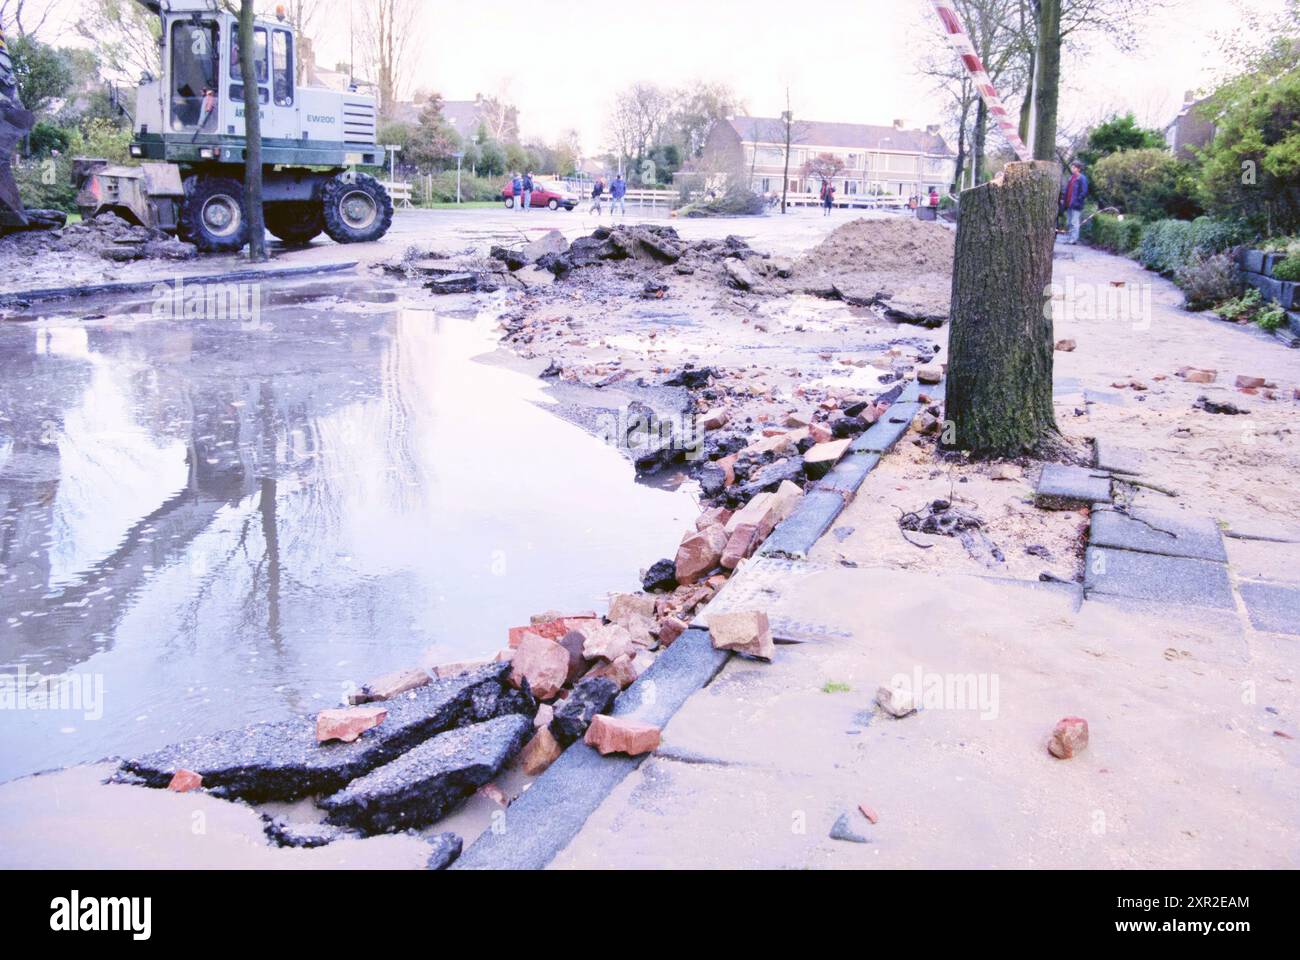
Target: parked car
549	195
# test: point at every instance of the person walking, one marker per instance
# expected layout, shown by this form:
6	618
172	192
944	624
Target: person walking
828	197
617	191
517	188
934	196
1072	199
597	193
528	189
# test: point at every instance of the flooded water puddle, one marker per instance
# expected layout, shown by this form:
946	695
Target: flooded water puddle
212	522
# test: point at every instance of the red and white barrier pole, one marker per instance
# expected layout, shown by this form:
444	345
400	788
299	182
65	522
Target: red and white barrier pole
961	43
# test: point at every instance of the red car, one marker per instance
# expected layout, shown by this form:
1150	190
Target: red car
543	196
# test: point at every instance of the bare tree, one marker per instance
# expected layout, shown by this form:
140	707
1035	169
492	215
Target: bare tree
304	16
26	18
791	132
501	117
254	216
637	120
1056	25
389	29
124	36
696	108
995	31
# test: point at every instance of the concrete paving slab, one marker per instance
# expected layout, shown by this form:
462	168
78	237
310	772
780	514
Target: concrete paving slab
1149	576
1065	487
847	477
1103	396
813	516
548	815
1265	560
773	585
1272	531
1273	607
886	432
1114	458
1212	635
1168	534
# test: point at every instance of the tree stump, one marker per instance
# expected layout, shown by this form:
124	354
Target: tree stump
999	393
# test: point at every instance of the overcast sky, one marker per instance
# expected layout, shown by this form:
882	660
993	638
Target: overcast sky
561	61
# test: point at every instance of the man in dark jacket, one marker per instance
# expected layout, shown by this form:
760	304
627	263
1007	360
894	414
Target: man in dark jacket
617	191
528	191
1072	199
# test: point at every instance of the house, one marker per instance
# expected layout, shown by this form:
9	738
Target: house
1189	131
469	118
877	160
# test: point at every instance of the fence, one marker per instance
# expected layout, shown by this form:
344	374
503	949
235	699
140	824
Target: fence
400	192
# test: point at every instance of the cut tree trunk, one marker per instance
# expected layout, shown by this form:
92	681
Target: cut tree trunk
999	394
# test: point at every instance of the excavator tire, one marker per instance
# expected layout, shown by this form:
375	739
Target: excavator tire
357	209
212	214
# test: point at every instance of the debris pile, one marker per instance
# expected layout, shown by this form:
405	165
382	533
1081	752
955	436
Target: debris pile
107	236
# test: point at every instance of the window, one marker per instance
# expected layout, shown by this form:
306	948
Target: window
259	54
237	95
282	67
196	68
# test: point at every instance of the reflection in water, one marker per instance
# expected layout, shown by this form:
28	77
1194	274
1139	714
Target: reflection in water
233	524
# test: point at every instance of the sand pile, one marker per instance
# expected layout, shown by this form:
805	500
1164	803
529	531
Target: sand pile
885	246
900	264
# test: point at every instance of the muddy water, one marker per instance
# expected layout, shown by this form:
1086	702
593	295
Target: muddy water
209	522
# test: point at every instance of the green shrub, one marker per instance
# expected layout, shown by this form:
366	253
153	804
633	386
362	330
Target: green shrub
1118	234
1168	245
1270	318
1288	269
1241	308
1251	307
441	188
1148	183
1207	279
1251	171
46	183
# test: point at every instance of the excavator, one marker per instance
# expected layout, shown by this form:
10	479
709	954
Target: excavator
188	143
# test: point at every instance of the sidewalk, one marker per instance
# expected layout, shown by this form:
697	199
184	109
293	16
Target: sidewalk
1182	771
1192	704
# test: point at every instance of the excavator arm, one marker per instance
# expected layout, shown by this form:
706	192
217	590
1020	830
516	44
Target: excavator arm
15	123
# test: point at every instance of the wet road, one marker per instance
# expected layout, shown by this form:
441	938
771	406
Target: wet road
218	519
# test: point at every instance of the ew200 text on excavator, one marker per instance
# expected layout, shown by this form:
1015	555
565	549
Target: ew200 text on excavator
189	141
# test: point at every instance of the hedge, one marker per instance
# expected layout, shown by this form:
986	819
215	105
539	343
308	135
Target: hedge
1117	234
1168	245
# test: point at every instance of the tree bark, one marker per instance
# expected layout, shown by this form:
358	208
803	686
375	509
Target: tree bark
253	214
999	393
979	149
1049	79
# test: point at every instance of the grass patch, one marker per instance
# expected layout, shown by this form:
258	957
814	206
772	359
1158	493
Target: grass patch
834	686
